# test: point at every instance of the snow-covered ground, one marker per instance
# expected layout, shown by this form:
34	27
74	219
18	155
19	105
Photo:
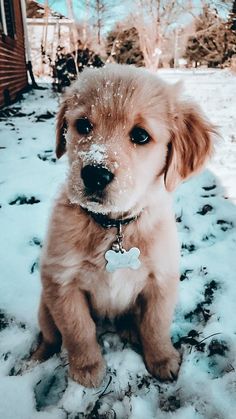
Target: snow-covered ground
204	327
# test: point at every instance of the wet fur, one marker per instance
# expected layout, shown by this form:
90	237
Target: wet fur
76	286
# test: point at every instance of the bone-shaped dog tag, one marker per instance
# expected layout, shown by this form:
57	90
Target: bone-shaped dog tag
122	259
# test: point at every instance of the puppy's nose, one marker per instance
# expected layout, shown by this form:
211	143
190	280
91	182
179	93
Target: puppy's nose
96	178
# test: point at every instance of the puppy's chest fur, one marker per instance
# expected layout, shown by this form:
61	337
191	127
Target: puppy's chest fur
81	260
112	294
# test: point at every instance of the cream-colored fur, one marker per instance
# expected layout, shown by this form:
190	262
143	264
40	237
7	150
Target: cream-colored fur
76	286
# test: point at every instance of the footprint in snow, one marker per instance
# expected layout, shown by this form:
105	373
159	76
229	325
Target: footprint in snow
50	388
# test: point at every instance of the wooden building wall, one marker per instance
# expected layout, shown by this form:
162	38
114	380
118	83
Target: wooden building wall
13	72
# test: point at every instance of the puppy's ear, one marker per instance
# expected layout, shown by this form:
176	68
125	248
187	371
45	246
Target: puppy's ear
190	145
61	128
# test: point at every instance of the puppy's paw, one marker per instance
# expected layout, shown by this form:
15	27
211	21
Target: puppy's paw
166	367
44	351
89	375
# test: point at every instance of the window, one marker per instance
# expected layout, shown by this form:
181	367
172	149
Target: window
10	18
3	26
7	18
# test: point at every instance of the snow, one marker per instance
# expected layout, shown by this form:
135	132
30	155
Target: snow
204	327
95	155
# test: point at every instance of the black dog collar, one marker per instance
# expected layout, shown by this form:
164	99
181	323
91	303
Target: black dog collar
107	222
117	257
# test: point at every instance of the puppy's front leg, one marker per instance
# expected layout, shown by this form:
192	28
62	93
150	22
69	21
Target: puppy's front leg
157	305
70	311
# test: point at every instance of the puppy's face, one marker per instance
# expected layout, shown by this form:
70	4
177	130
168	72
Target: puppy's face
119	124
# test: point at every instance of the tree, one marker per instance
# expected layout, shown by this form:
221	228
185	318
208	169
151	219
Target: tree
233	17
155	20
98	17
73	33
213	42
123	46
65	69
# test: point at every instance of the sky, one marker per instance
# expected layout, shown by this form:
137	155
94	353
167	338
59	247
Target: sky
122	9
118	10
60	6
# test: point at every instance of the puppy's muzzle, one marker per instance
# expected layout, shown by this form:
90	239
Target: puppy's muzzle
96	178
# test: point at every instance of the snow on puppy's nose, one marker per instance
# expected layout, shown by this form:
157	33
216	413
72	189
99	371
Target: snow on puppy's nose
96	155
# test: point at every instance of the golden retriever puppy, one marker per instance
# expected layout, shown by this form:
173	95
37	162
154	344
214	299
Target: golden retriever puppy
112	245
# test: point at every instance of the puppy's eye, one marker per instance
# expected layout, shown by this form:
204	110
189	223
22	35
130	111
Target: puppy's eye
83	126
138	135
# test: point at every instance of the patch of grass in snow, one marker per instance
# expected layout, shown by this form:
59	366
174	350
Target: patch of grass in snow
6	321
47	155
3	320
23	200
202	312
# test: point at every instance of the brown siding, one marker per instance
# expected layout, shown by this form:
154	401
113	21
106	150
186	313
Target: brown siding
13	73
